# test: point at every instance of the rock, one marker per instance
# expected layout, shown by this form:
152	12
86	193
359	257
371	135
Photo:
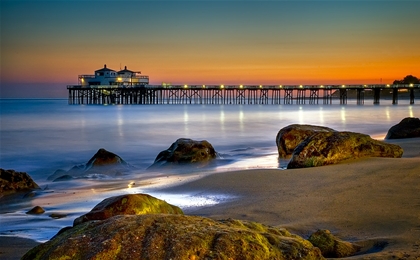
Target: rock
409	127
289	137
102	163
332	246
129	204
326	148
186	151
36	210
104	158
12	181
57	215
160	236
65	177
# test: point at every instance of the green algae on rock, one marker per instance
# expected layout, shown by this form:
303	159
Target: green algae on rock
326	148
289	137
332	246
162	236
128	204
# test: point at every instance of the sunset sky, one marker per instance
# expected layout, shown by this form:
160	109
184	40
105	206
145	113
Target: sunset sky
45	45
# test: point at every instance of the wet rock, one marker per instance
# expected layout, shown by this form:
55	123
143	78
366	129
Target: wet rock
332	246
409	127
65	177
289	137
36	210
129	204
12	181
57	215
186	151
103	163
160	236
325	148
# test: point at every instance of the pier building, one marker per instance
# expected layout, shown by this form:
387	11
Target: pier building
109	77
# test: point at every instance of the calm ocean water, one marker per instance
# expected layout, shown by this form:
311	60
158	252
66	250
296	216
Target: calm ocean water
41	136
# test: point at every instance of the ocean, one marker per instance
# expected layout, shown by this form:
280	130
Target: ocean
40	136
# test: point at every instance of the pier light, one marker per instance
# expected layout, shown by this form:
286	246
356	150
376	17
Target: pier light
322	86
411	84
300	86
82	79
222	86
260	86
387	85
204	86
119	79
241	86
280	86
364	86
185	86
343	86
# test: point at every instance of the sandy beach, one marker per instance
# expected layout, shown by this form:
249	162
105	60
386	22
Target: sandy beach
373	202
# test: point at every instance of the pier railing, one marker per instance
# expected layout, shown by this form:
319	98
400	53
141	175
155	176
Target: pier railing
236	94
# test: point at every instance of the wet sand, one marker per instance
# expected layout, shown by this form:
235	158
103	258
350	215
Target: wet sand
374	202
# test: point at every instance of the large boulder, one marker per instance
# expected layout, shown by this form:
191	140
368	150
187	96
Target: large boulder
103	163
331	246
129	204
289	137
326	148
186	151
163	236
12	181
409	127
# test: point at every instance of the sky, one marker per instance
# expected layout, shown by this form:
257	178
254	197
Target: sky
45	45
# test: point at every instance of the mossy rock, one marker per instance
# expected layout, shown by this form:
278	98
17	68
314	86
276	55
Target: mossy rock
12	181
185	152
174	237
332	246
326	148
289	137
128	204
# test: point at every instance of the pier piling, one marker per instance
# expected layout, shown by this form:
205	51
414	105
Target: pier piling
230	95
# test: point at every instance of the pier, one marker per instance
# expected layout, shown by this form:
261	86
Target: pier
235	94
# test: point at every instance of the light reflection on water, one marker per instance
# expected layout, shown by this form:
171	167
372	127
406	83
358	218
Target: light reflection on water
44	135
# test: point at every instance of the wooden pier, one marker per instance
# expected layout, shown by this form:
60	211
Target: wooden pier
234	94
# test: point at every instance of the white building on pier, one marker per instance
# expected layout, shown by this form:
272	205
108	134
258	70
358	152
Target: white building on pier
106	77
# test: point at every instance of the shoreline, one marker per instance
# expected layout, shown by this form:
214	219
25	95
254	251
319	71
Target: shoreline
367	201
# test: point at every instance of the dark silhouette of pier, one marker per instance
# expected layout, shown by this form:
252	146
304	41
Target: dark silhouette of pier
234	94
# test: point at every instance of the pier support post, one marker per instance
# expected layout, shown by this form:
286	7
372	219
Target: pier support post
376	95
327	96
394	96
360	96
264	96
240	96
411	96
313	96
288	96
300	96
343	96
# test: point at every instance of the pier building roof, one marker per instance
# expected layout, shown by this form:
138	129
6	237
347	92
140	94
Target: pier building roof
125	70
104	69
